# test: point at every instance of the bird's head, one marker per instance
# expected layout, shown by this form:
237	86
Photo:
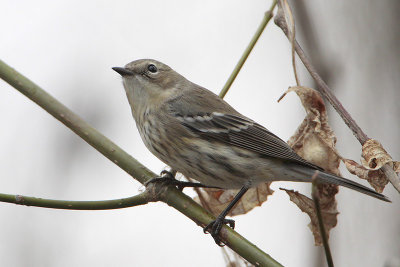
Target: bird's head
148	83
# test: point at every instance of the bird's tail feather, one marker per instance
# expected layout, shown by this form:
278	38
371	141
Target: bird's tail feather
328	178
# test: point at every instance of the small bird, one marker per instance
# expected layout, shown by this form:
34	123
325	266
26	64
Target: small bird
200	135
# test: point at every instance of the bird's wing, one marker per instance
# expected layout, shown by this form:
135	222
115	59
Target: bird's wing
234	129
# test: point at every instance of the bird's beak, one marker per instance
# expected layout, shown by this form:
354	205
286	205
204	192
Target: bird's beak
123	71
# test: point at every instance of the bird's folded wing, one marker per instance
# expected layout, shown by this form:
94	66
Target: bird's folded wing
241	132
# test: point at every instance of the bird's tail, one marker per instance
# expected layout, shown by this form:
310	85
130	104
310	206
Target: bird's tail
324	177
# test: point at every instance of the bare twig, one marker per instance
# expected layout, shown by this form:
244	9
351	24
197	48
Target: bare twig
392	176
292	37
137	200
327	93
315	196
246	53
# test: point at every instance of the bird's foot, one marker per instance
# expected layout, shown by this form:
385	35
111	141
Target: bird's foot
168	178
165	177
215	227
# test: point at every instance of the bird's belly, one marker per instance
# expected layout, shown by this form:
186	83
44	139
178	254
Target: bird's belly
219	165
207	161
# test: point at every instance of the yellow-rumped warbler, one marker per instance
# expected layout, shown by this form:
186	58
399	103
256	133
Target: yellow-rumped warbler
198	134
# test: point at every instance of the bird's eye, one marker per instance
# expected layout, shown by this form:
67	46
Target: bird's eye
152	68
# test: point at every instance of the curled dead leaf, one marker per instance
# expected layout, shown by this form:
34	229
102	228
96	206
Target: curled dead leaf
216	200
315	141
376	178
307	205
374	155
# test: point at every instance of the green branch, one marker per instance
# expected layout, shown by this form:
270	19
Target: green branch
137	200
101	143
169	195
267	17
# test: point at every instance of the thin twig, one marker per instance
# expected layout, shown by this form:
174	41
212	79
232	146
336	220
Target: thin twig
267	17
292	38
137	200
314	194
169	195
327	93
392	176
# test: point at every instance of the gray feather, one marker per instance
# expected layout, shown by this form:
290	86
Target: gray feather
224	124
328	178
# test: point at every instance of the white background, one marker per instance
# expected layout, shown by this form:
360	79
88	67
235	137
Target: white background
69	47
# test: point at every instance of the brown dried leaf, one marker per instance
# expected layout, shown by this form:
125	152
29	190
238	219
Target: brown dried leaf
374	155
315	141
376	178
216	200
328	210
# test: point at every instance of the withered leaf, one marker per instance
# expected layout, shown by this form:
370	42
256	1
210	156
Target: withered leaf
315	141
328	211
374	155
376	178
216	200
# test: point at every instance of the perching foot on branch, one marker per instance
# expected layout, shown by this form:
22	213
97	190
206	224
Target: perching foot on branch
168	178
215	227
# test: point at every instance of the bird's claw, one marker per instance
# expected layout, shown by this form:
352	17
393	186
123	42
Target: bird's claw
167	174
215	227
167	178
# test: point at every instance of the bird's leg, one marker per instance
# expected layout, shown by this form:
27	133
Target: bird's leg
168	177
215	226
